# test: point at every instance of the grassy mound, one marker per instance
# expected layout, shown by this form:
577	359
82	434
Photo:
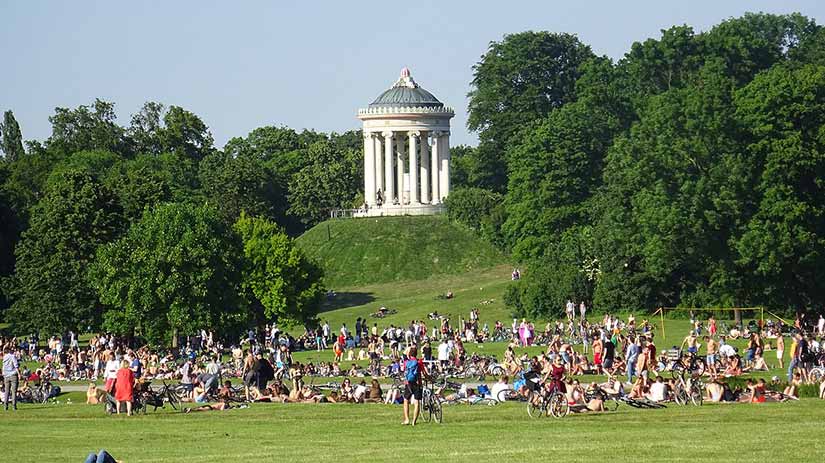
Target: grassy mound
356	252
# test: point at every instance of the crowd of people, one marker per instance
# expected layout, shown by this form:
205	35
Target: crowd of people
623	350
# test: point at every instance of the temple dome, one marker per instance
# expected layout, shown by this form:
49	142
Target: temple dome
406	93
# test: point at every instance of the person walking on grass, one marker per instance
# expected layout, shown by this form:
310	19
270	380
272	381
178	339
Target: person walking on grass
413	370
11	378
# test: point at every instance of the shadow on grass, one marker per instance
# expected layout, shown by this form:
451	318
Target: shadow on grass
344	300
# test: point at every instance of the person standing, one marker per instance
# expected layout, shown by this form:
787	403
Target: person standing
125	387
632	355
413	370
11	377
582	310
780	350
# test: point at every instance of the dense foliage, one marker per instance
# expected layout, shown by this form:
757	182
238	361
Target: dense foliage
687	173
132	228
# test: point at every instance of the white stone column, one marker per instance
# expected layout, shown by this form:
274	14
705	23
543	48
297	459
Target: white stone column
444	153
434	174
425	168
369	169
399	169
412	152
378	154
389	192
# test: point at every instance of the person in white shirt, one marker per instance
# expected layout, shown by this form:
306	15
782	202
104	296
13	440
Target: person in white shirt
820	326
582	310
657	390
443	354
570	308
499	387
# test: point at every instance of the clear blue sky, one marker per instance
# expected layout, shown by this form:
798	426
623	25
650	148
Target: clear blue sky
242	65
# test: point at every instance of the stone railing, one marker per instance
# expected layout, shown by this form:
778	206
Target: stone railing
406	110
393	210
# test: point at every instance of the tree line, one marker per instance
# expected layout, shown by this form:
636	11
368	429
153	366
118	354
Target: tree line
149	229
690	172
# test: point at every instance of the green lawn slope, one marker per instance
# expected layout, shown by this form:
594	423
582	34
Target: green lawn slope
357	252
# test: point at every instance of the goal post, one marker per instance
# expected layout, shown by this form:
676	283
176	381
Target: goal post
705	312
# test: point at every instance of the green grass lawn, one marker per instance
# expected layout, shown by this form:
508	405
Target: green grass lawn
344	432
379	250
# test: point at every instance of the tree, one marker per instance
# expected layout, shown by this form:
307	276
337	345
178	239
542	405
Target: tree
783	111
555	170
49	290
327	182
519	80
285	282
12	138
148	180
241	184
523	78
155	130
175	271
87	129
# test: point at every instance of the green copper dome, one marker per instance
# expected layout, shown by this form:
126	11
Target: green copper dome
405	93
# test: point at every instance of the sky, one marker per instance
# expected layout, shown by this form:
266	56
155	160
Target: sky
303	64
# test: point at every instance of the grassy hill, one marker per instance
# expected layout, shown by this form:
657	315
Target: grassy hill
357	252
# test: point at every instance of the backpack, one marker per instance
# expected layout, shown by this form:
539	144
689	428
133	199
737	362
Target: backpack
411	372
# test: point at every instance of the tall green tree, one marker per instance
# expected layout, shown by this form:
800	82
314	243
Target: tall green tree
286	283
175	271
155	130
328	181
241	184
783	111
520	80
11	137
87	128
50	291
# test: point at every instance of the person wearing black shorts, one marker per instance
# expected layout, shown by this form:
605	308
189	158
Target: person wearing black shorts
414	369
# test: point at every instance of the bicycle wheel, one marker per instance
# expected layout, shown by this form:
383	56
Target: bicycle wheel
436	411
559	407
696	396
173	399
536	407
681	397
426	407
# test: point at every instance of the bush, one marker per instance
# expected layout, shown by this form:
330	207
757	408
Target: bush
472	206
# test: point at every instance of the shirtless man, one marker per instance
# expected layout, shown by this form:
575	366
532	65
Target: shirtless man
710	359
692	343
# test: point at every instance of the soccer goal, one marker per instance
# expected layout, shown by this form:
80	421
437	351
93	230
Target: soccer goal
726	317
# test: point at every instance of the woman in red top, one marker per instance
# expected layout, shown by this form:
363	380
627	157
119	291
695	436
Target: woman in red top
125	387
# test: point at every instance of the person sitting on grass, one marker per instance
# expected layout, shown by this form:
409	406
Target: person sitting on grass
822	389
792	389
375	393
658	390
714	390
758	363
93	394
733	366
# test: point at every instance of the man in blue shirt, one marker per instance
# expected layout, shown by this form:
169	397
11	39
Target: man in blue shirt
631	355
10	378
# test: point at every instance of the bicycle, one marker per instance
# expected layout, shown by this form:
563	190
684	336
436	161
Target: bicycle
169	395
553	403
430	404
690	363
688	390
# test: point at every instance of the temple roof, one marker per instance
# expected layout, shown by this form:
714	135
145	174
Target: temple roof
406	93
